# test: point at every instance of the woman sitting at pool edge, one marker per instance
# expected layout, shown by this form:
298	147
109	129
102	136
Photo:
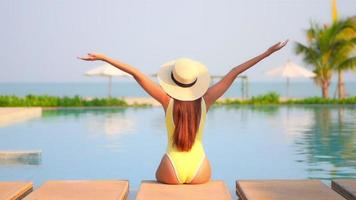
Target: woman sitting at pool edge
186	97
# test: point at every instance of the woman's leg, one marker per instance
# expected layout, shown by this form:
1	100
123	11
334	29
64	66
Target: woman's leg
165	172
203	174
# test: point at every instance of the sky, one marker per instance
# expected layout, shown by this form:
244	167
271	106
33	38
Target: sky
40	40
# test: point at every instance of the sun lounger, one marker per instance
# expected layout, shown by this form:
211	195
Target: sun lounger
285	189
345	187
213	190
81	189
14	190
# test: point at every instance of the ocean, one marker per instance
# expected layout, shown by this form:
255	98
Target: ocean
132	89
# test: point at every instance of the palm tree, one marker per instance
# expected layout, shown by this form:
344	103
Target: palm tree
316	54
329	48
346	57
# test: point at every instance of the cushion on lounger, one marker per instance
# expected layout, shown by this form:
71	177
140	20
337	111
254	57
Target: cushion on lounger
213	190
81	189
14	190
285	189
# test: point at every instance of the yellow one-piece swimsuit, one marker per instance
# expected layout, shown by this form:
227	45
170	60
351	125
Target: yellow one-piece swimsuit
186	164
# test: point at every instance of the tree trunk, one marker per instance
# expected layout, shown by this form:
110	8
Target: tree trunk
325	89
341	85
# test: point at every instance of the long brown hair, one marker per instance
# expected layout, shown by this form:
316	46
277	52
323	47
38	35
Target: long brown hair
186	117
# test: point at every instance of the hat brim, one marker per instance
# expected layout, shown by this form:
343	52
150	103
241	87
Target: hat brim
184	93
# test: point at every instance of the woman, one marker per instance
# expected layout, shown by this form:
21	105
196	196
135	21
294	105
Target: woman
186	98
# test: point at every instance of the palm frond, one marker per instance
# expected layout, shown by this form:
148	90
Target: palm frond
348	64
309	54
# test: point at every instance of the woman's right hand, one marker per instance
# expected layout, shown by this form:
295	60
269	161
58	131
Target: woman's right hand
93	57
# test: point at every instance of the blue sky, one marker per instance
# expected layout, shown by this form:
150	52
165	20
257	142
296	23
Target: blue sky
41	39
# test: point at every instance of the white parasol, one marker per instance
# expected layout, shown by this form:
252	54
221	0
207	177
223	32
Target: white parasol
109	71
290	70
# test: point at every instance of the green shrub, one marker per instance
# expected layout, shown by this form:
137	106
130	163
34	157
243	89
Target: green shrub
52	101
273	98
320	100
77	101
269	98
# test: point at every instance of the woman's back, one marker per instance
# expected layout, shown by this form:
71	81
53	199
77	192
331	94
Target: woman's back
185	163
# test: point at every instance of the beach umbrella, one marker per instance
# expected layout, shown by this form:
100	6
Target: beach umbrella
290	70
108	71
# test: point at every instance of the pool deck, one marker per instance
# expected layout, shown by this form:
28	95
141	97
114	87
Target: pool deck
9	116
16	157
19	154
141	100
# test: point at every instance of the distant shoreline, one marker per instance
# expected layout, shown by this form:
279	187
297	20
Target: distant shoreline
53	102
302	89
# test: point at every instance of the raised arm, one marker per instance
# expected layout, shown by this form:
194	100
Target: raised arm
218	89
146	83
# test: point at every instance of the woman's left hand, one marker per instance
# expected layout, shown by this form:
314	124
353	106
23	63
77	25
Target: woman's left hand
277	47
93	57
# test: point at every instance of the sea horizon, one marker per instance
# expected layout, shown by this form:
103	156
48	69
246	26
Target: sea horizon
129	88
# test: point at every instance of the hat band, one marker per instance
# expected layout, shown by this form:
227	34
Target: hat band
183	84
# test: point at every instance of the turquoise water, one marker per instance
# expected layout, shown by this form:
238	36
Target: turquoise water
244	142
132	89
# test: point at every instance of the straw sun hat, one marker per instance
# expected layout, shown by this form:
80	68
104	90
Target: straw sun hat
184	79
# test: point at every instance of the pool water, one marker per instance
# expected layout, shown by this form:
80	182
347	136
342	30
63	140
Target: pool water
242	142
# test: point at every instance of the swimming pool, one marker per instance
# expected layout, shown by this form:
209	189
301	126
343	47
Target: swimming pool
242	142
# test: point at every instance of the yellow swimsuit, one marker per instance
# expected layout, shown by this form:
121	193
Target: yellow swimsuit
186	164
